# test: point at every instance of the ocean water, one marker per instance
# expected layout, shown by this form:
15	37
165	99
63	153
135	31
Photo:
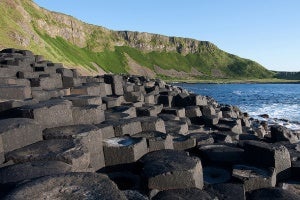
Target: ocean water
279	101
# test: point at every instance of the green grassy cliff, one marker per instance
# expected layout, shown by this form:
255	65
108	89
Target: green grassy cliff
62	38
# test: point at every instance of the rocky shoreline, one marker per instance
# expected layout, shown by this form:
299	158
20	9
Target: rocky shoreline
66	136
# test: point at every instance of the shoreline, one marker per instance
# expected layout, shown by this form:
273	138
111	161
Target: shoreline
221	81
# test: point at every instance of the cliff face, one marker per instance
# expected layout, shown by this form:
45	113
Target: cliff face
154	42
63	38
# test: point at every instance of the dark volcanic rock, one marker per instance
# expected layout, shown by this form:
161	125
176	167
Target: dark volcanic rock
69	186
228	191
273	194
266	155
183	194
30	170
171	169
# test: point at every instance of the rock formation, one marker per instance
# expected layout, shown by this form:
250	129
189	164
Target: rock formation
65	136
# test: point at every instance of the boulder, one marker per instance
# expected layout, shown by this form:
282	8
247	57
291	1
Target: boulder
122	150
176	127
149	110
254	178
69	186
171	169
64	150
152	124
15	92
107	130
116	82
49	114
230	191
113	101
184	194
179	112
281	133
193	111
16	133
202	138
90	114
125	126
89	136
265	155
272	193
30	170
183	142
156	140
84	100
221	153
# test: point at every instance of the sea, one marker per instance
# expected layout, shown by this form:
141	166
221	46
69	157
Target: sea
280	101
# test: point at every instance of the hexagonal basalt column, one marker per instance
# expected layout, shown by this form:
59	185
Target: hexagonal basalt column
171	169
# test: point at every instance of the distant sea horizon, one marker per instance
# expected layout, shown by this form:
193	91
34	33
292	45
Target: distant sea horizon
280	101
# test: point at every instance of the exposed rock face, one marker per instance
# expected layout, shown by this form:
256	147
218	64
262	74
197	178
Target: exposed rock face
155	42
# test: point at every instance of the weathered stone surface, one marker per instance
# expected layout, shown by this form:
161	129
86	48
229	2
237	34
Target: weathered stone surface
183	100
230	191
171	169
69	186
233	125
126	126
179	112
183	142
16	133
134	195
166	100
227	137
222	153
121	150
113	101
156	140
152	124
15	92
84	100
272	193
125	180
215	175
268	155
30	170
44	95
48	82
90	114
1	151
89	136
116	82
149	110
92	90
177	194
50	113
134	96
53	150
202	138
254	178
176	127
120	112
291	186
281	133
193	111
107	130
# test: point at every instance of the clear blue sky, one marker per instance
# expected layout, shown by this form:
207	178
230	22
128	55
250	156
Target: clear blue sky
267	31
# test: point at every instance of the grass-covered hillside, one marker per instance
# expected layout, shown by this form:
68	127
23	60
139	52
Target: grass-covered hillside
62	38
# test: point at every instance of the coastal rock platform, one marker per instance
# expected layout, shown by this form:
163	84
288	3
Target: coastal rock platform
66	136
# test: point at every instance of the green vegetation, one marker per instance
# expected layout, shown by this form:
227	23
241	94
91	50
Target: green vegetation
109	49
